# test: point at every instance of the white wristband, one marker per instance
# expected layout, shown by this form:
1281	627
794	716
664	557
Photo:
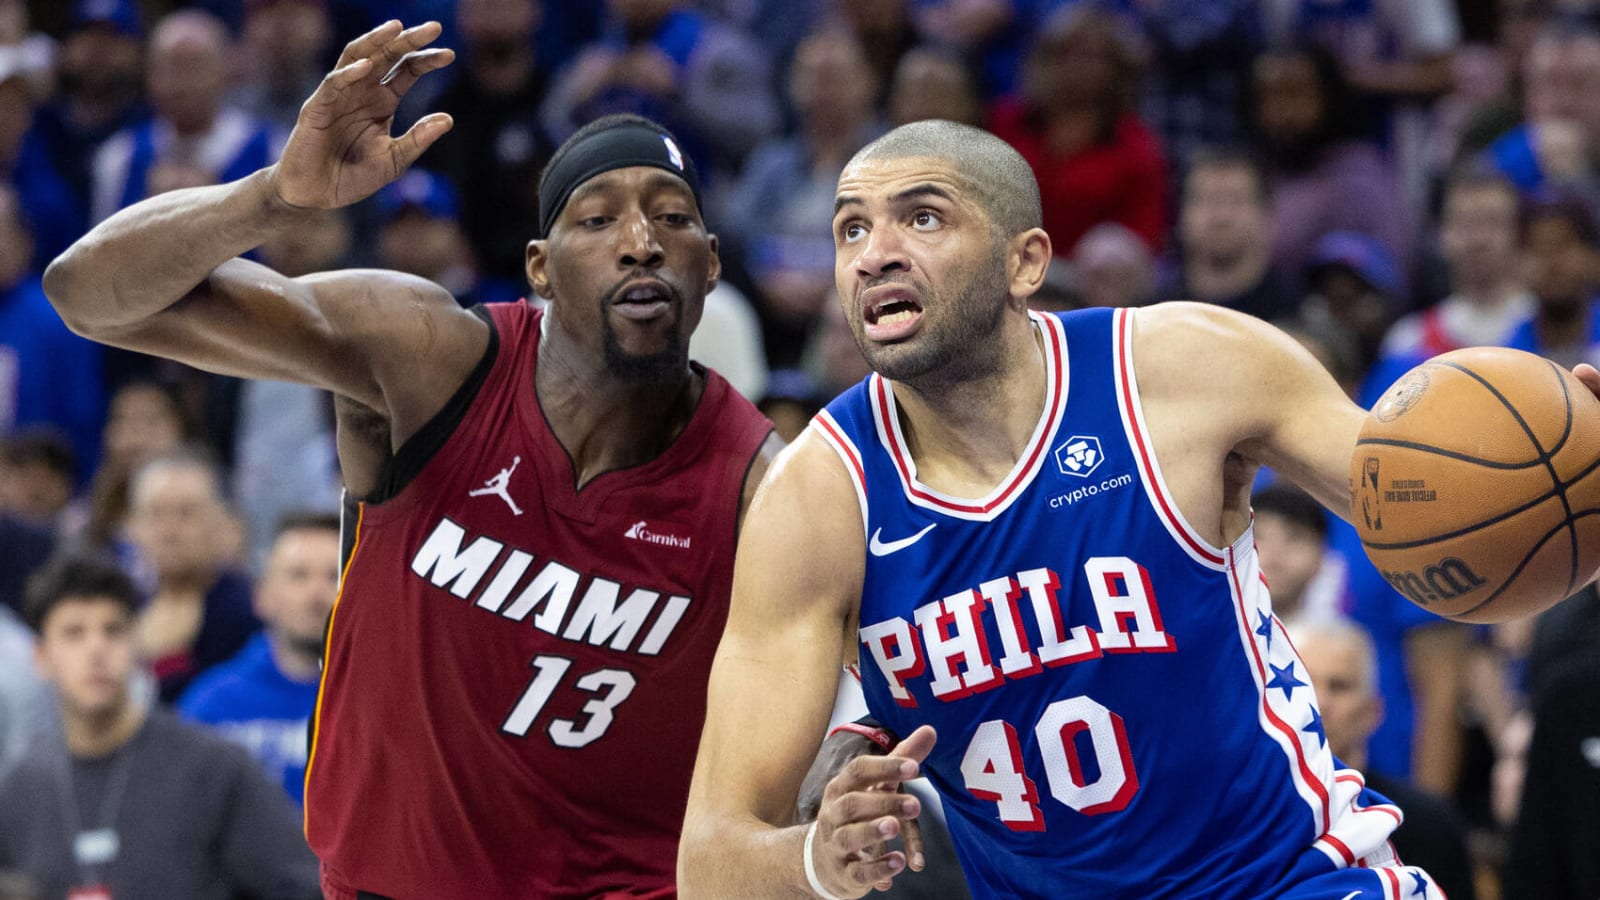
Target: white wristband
811	867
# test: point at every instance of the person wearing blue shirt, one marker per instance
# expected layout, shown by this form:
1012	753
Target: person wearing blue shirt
263	697
47	373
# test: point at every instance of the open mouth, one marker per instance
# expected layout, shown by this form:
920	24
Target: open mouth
891	313
643	299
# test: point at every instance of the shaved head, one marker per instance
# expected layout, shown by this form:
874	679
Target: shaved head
1000	179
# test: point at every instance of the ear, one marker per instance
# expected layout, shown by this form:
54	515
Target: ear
714	273
1028	259
538	268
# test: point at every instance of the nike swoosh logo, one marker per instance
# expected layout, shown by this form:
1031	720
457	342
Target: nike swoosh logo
1352	894
880	548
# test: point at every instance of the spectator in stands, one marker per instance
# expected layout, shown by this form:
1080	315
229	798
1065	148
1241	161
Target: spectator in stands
497	146
262	699
1111	266
1478	235
47	374
1074	122
143	421
283	48
1224	241
1559	138
782	204
728	339
1305	578
1325	177
38	472
992	33
25	702
1553	845
193	136
136	804
706	80
887	27
1353	284
419	231
98	70
1561	255
934	84
1341	661
199	611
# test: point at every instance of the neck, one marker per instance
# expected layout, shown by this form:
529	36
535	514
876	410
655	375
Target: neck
1213	276
93	735
184	587
292	659
966	435
1488	293
605	422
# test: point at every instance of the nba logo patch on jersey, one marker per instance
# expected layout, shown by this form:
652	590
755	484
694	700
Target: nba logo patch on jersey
1079	455
673	153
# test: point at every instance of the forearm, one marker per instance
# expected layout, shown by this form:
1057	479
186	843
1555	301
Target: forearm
113	277
1435	658
743	858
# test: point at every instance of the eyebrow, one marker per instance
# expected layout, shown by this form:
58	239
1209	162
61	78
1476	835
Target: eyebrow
916	191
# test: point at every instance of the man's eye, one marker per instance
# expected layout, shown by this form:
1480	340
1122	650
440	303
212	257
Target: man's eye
924	220
852	232
677	219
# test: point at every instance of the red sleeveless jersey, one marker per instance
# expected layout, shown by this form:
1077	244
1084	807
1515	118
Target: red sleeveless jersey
516	671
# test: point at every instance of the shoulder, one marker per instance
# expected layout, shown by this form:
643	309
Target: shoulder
219	690
193	746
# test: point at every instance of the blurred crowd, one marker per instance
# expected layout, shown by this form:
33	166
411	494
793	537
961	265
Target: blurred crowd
1385	179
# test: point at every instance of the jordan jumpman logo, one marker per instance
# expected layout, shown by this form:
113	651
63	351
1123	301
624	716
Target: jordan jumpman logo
497	486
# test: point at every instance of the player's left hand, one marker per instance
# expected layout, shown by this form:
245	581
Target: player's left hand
862	808
837	751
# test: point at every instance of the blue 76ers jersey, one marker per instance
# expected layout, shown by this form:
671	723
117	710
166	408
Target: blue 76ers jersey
1118	712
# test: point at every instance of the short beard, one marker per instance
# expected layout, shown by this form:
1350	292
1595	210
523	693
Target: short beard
958	349
650	368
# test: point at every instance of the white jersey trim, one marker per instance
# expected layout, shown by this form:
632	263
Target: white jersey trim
827	426
1166	508
885	414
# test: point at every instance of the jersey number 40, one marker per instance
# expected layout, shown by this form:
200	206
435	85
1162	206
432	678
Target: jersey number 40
993	766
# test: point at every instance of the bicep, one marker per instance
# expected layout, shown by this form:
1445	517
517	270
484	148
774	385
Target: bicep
794	601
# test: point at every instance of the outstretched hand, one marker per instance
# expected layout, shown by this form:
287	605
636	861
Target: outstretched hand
862	808
341	150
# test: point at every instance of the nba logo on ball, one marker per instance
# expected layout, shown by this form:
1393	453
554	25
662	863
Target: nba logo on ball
1079	456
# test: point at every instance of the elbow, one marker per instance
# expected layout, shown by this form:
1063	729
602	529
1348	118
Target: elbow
64	286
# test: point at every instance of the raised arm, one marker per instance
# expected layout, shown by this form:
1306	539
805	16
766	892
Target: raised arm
161	276
796	590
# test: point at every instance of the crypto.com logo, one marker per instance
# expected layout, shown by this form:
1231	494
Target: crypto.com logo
1080	455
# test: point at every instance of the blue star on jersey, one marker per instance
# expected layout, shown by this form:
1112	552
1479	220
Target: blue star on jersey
1420	888
1315	727
1283	679
1266	627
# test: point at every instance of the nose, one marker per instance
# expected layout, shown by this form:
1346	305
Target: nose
637	245
882	251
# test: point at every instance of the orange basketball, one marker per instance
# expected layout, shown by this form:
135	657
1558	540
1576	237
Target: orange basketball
1475	484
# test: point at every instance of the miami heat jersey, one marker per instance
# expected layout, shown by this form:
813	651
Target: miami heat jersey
1118	712
516	670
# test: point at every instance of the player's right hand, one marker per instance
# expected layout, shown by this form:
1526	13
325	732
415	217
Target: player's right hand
340	150
862	808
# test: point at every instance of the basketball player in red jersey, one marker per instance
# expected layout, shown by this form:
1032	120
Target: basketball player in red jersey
541	557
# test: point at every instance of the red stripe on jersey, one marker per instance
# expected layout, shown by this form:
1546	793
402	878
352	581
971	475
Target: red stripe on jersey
1124	350
1292	734
826	423
1341	846
327	651
1019	475
1393	878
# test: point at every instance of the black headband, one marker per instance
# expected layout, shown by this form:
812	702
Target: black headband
623	145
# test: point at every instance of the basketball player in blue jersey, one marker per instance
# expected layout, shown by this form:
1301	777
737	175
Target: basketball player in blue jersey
1033	534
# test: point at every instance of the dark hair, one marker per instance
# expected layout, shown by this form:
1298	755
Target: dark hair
77	575
1294	504
1001	180
40	444
1565	205
305	520
1345	114
1229	157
